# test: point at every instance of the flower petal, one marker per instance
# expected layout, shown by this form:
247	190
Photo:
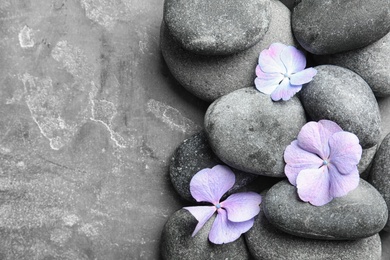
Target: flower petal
285	91
330	126
242	206
269	59
267	82
313	186
297	160
345	151
314	137
210	184
341	184
225	231
293	59
303	77
202	214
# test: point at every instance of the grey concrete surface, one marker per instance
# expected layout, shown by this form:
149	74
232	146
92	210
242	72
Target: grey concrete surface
89	119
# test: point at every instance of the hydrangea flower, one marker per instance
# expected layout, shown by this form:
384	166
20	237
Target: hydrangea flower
322	162
281	71
235	215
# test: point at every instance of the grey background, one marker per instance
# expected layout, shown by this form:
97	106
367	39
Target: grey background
89	119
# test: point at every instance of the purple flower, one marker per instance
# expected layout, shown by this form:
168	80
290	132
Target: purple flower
281	71
322	162
235	215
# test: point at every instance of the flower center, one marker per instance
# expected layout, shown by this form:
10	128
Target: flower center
218	206
325	162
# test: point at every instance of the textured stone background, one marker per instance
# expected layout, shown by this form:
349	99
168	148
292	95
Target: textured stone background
89	118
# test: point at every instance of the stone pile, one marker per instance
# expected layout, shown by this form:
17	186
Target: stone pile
212	49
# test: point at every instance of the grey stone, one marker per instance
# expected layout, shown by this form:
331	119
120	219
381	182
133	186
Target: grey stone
342	96
178	244
333	26
249	131
193	155
371	63
365	162
359	214
288	3
380	172
217	27
265	242
210	77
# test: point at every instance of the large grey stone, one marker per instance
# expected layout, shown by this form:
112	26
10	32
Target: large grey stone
380	172
249	131
333	26
193	155
178	244
342	96
359	214
265	242
210	77
217	27
371	63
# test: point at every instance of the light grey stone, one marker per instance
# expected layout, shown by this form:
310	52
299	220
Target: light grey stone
342	96
249	131
217	27
359	214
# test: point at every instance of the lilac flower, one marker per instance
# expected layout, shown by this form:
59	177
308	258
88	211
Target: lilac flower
235	215
281	71
322	162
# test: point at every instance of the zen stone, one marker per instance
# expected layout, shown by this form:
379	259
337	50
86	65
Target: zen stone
249	131
359	214
193	155
366	161
265	242
342	96
217	27
333	26
371	63
210	77
178	244
380	172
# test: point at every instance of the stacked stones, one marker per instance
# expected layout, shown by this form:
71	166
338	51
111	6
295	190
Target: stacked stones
211	48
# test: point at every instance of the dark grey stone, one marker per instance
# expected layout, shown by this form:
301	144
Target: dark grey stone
342	96
249	131
193	155
333	26
380	172
359	214
210	77
217	27
371	63
288	3
177	242
265	242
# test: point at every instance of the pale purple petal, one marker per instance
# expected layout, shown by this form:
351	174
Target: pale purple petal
285	91
242	206
297	160
293	59
303	77
345	151
202	214
210	184
269	59
341	184
267	82
314	138
313	186
330	126
224	231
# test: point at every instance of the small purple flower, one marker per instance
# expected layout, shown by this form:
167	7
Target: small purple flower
322	162
281	71
235	214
